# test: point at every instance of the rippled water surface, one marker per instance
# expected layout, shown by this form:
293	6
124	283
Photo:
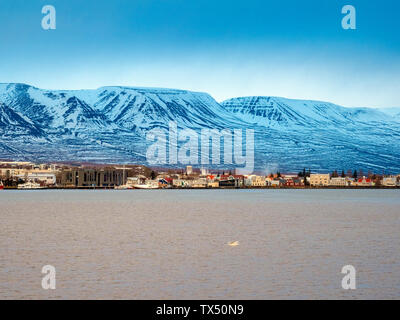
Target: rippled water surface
172	244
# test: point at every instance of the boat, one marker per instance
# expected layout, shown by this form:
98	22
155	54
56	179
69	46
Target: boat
145	186
1	185
30	185
153	184
124	187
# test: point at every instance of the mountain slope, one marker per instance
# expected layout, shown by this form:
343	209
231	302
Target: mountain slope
146	108
319	135
110	124
278	112
60	110
14	123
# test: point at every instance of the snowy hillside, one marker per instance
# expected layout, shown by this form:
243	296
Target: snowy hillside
109	124
115	107
281	112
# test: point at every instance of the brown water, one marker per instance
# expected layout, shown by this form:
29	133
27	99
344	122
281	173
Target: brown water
172	244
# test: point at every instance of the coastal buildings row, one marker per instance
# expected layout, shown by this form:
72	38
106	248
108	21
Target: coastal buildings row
324	180
27	175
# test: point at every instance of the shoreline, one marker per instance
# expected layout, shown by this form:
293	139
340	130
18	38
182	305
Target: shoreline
220	188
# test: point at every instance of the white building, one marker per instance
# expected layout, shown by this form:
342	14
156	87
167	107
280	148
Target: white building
47	177
189	170
338	182
389	181
255	181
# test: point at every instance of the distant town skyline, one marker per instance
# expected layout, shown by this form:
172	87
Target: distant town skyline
289	49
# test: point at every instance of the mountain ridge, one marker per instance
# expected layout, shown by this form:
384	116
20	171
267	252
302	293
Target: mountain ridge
270	110
110	123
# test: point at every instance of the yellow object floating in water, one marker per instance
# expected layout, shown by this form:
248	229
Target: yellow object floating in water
233	243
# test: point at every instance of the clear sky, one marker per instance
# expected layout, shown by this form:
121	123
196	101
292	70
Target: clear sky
289	48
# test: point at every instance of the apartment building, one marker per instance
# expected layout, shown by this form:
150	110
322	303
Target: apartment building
389	181
317	179
83	177
255	181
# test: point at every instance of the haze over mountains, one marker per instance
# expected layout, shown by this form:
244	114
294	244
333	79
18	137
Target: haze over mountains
109	124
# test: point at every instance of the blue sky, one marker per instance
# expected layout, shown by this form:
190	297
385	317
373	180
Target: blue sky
289	48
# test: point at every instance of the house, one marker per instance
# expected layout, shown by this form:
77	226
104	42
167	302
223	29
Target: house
212	182
258	181
317	179
364	182
293	182
276	182
290	176
168	180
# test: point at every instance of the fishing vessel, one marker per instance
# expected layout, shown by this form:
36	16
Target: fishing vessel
30	185
124	187
153	184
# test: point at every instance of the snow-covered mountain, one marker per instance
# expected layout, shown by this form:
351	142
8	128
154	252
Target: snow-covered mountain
115	107
54	110
320	135
146	108
13	123
279	112
109	124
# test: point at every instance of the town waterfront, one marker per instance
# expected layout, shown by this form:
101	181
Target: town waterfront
172	244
